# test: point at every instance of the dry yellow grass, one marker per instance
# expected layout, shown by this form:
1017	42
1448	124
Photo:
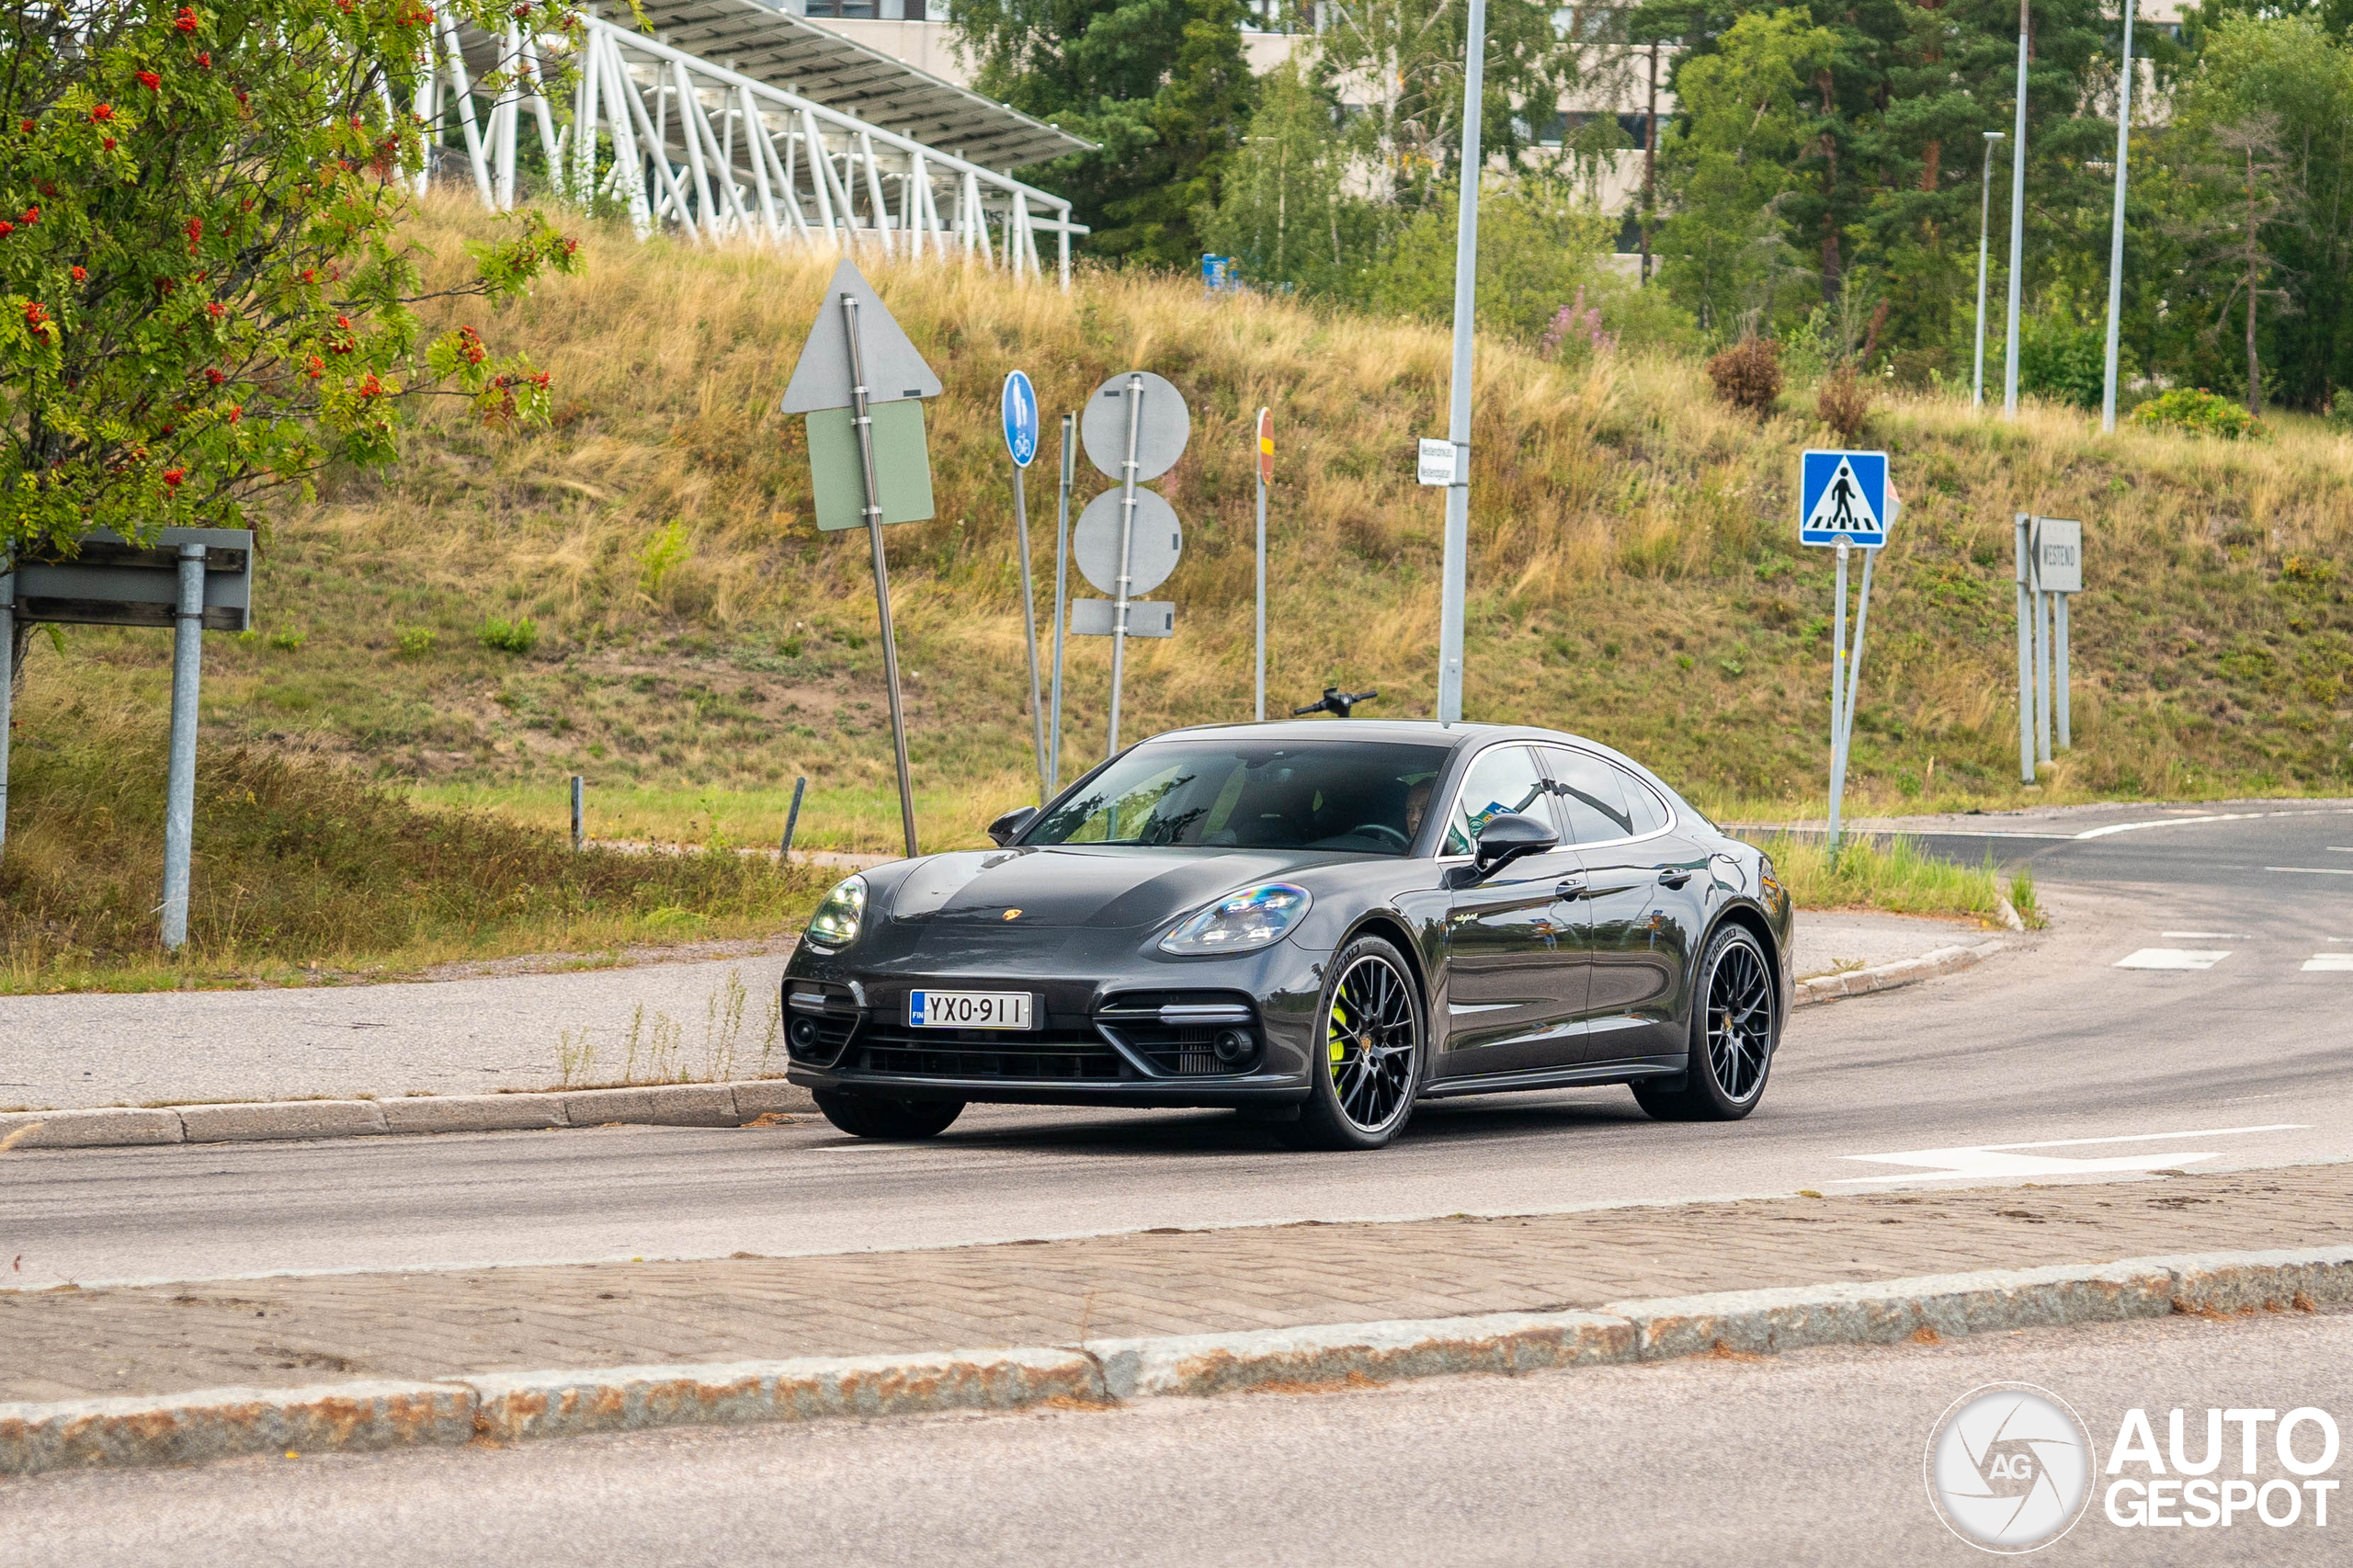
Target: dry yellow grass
1633	569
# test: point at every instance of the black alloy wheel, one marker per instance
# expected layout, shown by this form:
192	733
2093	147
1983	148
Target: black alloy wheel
1372	1050
885	1118
1734	1027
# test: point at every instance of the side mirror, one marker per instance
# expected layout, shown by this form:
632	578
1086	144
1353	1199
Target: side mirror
1008	828
1507	837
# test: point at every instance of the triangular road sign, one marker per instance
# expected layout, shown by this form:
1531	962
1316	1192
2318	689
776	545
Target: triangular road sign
1843	506
894	372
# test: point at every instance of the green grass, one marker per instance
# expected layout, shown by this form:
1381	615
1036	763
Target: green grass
303	866
1891	874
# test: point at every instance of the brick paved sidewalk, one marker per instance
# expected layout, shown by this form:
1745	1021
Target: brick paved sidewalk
70	1343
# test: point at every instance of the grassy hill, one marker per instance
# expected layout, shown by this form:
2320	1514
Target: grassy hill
1634	570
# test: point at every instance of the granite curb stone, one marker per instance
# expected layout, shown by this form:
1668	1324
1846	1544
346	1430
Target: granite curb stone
516	1406
192	1427
653	1104
271	1120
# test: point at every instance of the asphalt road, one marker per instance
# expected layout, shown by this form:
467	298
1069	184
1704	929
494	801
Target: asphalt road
2050	1063
1812	1458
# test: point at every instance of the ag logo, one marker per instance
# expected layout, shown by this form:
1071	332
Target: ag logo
2009	1467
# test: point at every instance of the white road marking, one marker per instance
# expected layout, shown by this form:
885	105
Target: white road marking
2315	870
2329	963
1982	1160
2173	958
2211	935
2116	827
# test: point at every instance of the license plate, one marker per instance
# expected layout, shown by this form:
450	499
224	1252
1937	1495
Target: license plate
968	1009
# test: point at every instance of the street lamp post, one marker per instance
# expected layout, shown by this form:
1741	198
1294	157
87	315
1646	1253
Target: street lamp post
1453	565
2116	223
1984	218
2017	232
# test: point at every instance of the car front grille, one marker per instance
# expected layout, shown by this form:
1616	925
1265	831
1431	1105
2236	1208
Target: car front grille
987	1053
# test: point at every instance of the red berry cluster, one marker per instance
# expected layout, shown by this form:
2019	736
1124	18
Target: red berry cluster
173	476
186	21
148	80
469	345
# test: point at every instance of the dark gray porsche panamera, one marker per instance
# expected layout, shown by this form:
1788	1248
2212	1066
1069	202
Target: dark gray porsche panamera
1317	924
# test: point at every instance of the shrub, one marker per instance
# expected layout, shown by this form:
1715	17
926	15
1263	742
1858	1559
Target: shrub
2200	413
662	554
2063	359
1748	375
518	636
413	642
1845	404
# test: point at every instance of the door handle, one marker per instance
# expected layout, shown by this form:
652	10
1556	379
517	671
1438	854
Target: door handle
1674	878
1571	890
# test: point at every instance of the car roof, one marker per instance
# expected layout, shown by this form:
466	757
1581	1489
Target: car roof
1420	731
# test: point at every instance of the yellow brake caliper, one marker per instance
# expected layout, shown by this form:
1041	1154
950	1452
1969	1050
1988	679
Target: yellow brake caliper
1339	1028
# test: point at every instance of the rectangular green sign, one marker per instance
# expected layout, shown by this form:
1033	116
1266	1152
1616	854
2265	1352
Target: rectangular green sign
902	465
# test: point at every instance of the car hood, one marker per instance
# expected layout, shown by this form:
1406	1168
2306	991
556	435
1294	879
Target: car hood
1070	885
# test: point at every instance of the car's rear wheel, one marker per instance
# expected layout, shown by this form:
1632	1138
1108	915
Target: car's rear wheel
1371	1047
1736	1024
883	1117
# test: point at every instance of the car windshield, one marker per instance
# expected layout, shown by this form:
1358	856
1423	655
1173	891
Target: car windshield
1363	796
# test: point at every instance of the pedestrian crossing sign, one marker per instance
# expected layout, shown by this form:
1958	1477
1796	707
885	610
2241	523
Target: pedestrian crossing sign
1845	495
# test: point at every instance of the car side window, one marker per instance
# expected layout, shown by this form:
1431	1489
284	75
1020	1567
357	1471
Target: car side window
1644	806
1502	779
1590	796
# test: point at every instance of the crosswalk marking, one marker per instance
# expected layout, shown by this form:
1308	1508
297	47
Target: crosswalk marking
2329	963
2172	958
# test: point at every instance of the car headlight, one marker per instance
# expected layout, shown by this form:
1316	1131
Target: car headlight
1255	917
841	915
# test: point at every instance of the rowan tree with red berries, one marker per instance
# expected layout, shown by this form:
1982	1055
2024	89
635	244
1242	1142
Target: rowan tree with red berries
203	295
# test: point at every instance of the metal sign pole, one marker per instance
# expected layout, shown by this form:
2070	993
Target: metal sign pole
2041	609
1837	691
2023	547
1061	599
1266	460
1030	625
8	685
791	821
2058	671
579	811
179	786
862	421
1854	677
1127	541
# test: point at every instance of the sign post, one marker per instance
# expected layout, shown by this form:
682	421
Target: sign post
2055	561
1847	503
1469	163
1266	476
857	365
1135	427
192	580
8	681
1019	403
1062	596
2022	554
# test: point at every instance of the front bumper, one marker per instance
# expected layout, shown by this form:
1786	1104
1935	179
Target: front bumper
1116	1032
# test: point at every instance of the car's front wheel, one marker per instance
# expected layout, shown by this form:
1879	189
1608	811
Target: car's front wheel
883	1117
1371	1047
1735	1024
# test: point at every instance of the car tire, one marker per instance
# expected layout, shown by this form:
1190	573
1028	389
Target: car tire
1735	1031
1372	1042
885	1118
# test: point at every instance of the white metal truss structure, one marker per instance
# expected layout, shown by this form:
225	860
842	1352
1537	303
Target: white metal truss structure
694	148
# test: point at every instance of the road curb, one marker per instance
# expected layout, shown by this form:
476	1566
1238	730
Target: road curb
647	1104
513	1407
1892	976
